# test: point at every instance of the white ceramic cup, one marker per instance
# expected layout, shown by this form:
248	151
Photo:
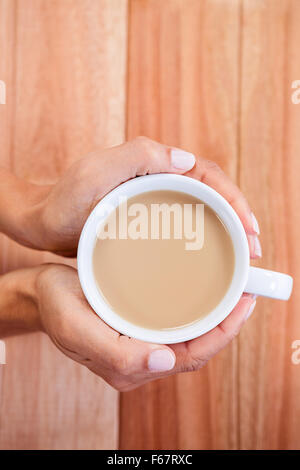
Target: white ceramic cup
245	278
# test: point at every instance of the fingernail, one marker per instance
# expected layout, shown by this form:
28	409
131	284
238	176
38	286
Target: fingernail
251	296
250	311
182	160
161	360
257	247
255	224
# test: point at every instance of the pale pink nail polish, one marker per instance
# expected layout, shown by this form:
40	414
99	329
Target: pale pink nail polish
255	224
257	247
161	360
182	160
250	311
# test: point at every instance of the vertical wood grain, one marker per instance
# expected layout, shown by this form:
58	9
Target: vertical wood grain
215	77
211	76
64	63
183	77
269	383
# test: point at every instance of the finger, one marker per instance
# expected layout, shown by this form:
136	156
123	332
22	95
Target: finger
211	174
143	156
139	157
195	353
117	353
130	363
139	358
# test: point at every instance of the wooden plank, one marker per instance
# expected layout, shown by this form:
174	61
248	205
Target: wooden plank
183	77
64	64
269	383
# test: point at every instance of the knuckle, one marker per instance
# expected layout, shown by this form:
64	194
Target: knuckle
191	362
195	364
80	170
121	365
212	165
145	144
141	139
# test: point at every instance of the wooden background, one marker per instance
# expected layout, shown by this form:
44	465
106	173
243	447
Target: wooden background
214	77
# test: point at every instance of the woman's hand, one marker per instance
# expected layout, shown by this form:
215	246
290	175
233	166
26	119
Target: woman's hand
51	218
49	298
123	362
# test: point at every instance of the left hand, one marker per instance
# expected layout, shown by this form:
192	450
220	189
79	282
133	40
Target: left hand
125	363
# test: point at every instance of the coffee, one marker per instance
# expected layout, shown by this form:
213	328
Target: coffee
168	275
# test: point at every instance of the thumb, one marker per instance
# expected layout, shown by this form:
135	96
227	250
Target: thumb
143	156
137	357
140	156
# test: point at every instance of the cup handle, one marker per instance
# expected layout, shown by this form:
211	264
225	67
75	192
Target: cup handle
269	283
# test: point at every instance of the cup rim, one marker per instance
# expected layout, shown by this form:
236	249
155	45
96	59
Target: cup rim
171	182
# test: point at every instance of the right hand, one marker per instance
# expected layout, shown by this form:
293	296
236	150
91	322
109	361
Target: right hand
59	217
